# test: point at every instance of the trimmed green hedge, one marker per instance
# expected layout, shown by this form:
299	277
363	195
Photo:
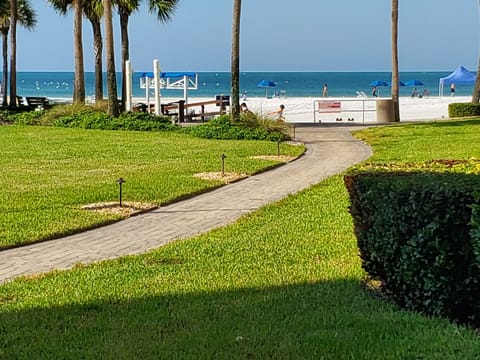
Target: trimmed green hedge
418	232
463	109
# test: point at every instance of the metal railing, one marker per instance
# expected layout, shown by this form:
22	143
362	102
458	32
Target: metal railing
342	106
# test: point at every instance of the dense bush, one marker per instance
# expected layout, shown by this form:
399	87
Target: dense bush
418	232
93	119
250	127
463	109
27	117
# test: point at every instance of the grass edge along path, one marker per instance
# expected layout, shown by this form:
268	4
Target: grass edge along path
283	282
48	174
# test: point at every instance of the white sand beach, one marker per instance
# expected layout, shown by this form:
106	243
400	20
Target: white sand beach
361	110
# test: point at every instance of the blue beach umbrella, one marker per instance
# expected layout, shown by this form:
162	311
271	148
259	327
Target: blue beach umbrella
266	84
378	83
399	83
413	83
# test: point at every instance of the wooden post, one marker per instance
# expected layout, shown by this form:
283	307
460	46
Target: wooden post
181	111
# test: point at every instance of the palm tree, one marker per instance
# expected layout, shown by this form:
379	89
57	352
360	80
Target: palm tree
27	18
110	58
13	54
235	61
395	84
164	9
93	10
79	80
476	88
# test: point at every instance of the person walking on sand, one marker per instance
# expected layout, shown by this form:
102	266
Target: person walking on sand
452	89
278	113
374	91
325	90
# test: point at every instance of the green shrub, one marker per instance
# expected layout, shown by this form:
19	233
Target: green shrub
87	119
418	232
250	127
145	122
95	119
463	109
27	118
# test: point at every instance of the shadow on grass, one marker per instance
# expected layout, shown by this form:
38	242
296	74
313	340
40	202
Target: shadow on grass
329	320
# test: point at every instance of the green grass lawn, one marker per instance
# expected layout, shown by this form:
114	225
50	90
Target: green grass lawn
282	283
48	173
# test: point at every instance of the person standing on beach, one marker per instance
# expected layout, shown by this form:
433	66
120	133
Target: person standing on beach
325	90
452	89
374	91
278	113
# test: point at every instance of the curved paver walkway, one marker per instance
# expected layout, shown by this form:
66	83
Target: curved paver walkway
330	150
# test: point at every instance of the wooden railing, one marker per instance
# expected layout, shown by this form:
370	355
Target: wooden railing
188	112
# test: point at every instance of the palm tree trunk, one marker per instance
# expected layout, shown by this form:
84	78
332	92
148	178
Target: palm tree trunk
110	57
235	62
98	52
395	80
79	80
476	88
124	16
5	67
13	53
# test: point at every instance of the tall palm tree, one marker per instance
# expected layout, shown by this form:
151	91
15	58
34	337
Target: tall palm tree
235	61
125	9
110	59
476	88
93	10
27	18
164	9
13	53
79	79
395	79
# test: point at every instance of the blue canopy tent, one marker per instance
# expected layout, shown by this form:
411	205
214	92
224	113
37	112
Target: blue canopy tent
461	76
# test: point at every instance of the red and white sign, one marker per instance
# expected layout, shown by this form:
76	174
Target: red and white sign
329	106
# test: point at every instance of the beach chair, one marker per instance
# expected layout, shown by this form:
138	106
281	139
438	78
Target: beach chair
361	94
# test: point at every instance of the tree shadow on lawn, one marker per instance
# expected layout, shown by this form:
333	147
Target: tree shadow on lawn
330	320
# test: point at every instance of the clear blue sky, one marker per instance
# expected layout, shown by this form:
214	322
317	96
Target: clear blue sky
276	35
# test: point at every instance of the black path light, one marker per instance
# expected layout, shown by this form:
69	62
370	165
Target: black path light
223	157
120	181
278	147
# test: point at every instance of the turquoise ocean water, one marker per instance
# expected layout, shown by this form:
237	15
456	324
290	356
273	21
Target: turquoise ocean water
292	84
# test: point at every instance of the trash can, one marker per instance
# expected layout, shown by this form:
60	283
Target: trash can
385	110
